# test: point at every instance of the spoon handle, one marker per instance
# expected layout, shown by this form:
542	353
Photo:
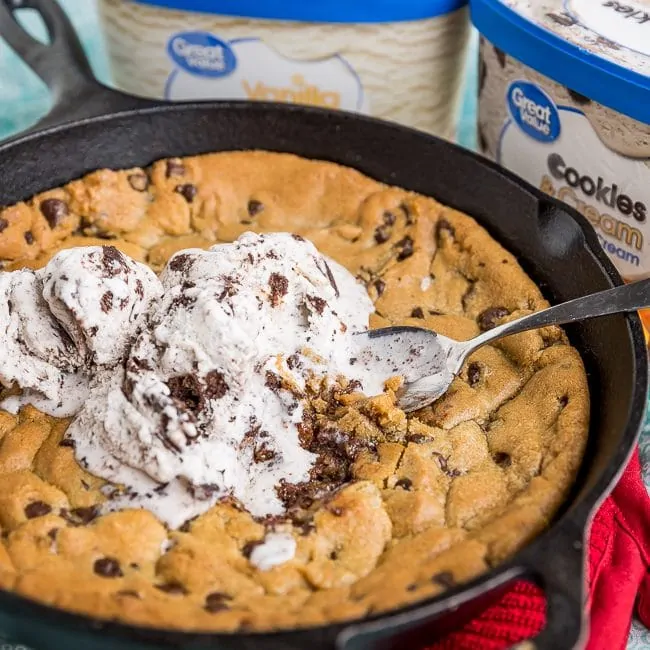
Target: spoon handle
629	297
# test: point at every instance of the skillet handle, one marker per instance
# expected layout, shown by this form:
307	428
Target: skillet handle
561	573
61	64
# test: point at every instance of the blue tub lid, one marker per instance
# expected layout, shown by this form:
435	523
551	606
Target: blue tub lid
599	48
328	11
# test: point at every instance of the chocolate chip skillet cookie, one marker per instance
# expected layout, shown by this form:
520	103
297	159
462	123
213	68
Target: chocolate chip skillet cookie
327	505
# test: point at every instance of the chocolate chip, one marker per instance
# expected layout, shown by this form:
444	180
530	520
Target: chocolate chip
106	302
444	465
172	588
417	438
279	288
293	362
249	547
216	602
4	224
187	191
563	19
297	237
67	442
444	579
411	587
380	285
382	234
263	454
255	207
181	263
389	218
404	483
443	226
174	168
502	459
417	312
29	237
85	515
139	182
113	262
52	533
564	400
405	247
473	373
579	99
187	392
488	318
37	509
107	567
186	525
54	210
501	56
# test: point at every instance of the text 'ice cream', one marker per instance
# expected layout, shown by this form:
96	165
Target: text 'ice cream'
188	387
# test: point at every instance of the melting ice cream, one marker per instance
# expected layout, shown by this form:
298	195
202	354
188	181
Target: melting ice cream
188	387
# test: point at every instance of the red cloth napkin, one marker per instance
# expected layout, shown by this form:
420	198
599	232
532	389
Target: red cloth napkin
619	579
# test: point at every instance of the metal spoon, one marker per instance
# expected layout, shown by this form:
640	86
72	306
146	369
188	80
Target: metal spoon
429	361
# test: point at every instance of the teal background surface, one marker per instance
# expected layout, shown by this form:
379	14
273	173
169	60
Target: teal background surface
24	100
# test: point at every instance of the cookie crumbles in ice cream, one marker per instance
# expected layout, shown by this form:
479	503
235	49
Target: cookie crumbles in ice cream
187	388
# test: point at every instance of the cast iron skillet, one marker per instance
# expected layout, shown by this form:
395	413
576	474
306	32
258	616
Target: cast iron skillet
91	127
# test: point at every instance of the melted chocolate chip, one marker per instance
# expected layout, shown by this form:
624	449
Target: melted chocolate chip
382	234
107	567
444	227
67	442
380	286
37	509
404	483
174	168
488	318
85	515
249	547
405	247
317	303
389	218
54	210
216	602
255	207
175	588
215	385
444	465
417	312
106	302
187	191
473	373
502	459
29	237
4	224
444	579
564	400
279	288
139	182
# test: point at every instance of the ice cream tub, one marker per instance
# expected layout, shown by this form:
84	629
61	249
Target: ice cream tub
564	101
402	61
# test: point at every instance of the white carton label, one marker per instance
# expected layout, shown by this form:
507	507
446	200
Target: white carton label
207	67
610	190
626	23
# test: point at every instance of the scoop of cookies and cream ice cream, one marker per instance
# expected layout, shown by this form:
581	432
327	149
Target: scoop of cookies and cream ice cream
188	387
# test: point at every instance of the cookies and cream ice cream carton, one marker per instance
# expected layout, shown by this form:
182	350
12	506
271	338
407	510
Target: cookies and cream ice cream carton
399	60
564	101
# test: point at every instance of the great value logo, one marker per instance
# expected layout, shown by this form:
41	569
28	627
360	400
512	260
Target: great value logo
533	111
202	54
